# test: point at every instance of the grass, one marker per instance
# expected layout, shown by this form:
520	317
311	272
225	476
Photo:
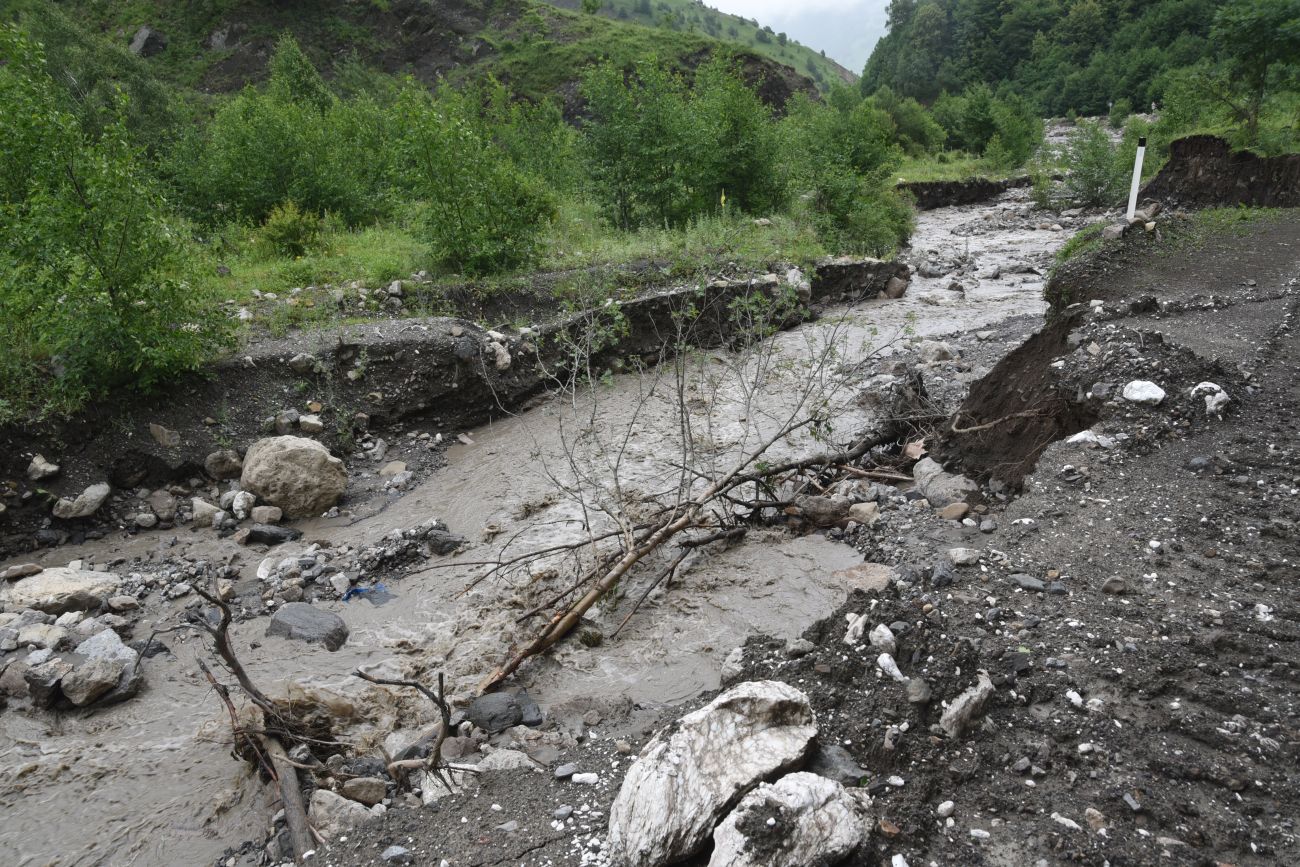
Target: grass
950	166
1085	240
581	239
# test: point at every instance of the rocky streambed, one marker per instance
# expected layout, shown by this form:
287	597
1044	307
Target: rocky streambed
151	779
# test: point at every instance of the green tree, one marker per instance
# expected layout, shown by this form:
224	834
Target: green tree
1260	40
88	254
591	7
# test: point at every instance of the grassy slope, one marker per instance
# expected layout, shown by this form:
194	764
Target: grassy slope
690	17
538	48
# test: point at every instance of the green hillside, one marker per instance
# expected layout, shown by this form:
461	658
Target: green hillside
693	16
218	46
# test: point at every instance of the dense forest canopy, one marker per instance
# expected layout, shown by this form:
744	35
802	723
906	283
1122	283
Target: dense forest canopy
1063	55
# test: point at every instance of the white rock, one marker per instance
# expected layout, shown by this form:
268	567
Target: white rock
86	504
815	821
935	350
964	556
684	778
966	707
1144	392
241	505
857	625
1068	823
40	469
507	760
882	638
945	809
886	663
61	589
586	779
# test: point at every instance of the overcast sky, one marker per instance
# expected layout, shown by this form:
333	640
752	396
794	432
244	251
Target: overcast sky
846	30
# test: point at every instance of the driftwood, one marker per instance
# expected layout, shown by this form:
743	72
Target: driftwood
266	746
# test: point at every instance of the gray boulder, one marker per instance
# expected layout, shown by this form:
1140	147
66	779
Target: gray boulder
86	504
106	647
224	464
298	475
690	772
147	42
302	622
333	814
92	679
495	712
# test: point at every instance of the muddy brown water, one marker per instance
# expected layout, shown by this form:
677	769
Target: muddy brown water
152	781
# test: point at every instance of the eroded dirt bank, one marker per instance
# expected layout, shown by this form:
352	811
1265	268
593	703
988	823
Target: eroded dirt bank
151	780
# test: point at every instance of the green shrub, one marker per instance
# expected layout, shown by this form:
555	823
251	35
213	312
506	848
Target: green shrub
1094	174
292	141
485	214
88	256
1119	112
291	231
918	131
840	155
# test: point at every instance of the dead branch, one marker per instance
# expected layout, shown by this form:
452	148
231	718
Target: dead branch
433	764
1031	413
220	633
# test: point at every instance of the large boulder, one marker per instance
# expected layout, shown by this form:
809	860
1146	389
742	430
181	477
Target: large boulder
303	622
86	503
61	589
801	819
940	487
689	773
105	650
298	475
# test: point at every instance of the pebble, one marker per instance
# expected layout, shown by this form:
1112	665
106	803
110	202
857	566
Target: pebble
979	833
396	855
945	809
586	779
1114	586
563	812
563	772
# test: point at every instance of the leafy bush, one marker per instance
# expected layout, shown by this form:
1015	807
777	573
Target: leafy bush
485	214
293	141
290	230
841	155
918	131
659	153
87	255
1119	112
636	143
1095	175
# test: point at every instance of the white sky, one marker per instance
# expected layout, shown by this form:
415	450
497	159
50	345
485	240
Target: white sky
846	30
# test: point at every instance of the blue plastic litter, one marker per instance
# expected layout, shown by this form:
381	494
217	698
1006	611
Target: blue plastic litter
375	594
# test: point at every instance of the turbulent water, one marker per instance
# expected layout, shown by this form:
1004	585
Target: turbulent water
153	782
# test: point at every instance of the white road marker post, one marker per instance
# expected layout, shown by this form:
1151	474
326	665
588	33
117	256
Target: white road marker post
1137	178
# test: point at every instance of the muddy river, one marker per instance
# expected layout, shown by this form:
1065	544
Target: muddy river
152	781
